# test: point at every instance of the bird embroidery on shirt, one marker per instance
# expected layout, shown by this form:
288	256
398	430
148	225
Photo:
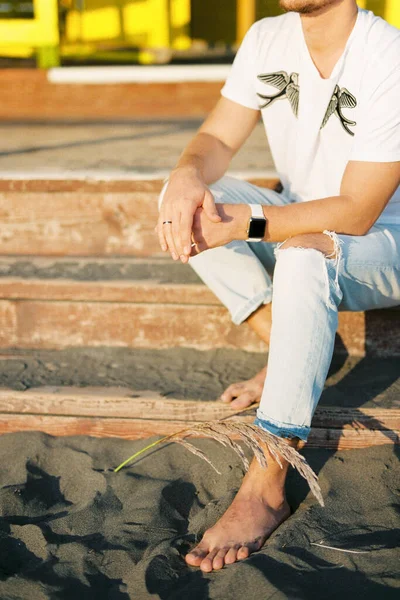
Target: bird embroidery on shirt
288	86
341	98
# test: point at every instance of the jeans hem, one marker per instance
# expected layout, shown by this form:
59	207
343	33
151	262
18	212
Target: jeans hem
240	316
284	430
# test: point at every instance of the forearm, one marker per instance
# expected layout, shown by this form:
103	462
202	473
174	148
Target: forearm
338	213
207	156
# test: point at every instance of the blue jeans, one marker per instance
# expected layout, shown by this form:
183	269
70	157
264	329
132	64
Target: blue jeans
307	291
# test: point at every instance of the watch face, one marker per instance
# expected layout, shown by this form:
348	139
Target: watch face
257	228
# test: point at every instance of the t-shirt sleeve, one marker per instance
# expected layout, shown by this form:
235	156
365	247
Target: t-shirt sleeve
378	127
240	85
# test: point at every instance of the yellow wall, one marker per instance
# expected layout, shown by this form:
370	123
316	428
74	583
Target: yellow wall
149	23
38	32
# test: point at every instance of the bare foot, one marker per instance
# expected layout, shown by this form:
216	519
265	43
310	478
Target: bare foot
243	529
245	393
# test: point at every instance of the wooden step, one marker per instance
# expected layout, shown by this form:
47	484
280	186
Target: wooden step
80	222
28	94
126	414
85	218
153	304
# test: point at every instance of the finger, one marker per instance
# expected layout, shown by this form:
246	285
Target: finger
165	214
182	236
199	245
210	208
186	232
194	251
161	237
167	228
199	248
176	232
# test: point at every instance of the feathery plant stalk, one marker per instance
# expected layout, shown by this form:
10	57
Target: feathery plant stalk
253	437
167	437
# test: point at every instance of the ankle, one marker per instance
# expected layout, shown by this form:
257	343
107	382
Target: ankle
270	494
261	375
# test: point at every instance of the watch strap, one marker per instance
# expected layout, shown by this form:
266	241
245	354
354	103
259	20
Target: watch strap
256	213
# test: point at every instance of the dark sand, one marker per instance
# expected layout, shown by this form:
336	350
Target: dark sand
353	381
71	528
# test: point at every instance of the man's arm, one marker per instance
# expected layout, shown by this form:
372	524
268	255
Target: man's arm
204	161
366	189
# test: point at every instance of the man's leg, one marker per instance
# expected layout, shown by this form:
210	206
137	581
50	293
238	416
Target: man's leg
308	288
258	508
305	301
247	392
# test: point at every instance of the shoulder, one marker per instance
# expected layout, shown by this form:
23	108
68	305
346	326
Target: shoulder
270	26
382	42
263	32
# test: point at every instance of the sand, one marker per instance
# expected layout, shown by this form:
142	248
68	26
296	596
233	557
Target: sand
72	528
354	382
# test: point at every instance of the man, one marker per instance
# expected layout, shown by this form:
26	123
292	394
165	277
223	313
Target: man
326	78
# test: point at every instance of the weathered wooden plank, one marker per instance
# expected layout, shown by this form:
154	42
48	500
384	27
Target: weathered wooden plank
55	186
164	324
100	186
126	403
134	321
347	439
78	223
61	324
149	292
27	94
8	324
133	429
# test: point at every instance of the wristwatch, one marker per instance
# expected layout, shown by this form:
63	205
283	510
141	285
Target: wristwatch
257	224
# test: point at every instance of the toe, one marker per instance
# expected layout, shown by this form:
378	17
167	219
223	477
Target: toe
232	392
219	560
206	564
244	400
195	557
231	555
243	552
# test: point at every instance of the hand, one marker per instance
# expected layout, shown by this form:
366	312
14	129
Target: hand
233	226
186	192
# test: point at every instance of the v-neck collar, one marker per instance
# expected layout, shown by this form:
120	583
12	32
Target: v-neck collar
308	61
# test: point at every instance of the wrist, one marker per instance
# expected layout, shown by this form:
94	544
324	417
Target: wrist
237	218
186	170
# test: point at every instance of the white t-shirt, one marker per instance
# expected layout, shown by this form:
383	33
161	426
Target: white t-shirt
315	125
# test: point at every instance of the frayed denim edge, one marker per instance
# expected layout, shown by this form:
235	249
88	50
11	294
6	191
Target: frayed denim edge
284	430
264	298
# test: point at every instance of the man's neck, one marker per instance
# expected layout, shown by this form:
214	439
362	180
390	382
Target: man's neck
327	31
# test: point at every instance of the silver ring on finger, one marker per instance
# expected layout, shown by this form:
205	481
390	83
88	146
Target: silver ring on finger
167	222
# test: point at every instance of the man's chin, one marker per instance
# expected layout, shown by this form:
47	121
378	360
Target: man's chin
305	7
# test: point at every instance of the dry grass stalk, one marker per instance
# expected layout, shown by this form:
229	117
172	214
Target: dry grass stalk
253	437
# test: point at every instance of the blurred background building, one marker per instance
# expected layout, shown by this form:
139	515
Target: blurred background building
50	33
